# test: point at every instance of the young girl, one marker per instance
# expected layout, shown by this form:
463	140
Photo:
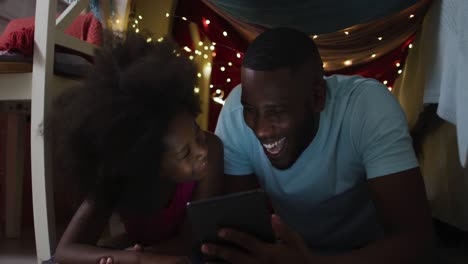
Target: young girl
128	137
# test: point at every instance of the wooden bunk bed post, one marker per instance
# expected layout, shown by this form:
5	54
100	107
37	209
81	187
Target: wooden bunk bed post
48	32
41	177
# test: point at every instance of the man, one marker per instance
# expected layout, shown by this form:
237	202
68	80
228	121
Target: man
334	156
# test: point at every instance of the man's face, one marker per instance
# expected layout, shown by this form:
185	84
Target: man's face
282	108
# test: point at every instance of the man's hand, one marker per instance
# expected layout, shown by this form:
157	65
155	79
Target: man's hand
291	249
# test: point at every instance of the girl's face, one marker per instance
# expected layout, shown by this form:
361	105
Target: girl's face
186	158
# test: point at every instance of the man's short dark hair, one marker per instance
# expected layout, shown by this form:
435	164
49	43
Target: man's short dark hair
281	48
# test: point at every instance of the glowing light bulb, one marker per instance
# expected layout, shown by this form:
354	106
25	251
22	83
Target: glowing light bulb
196	90
222	69
228	80
140	17
230	64
199	75
238	55
184	18
374	55
385	82
380	38
225	33
315	36
187	49
411	16
149	39
348	62
207	22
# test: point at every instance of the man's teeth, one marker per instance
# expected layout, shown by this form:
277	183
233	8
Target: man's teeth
275	147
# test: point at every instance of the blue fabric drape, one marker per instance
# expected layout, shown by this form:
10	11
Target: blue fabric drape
311	16
94	7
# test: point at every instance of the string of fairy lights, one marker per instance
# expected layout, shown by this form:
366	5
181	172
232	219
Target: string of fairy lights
207	51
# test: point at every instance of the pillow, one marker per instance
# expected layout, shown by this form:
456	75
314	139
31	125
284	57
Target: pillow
18	36
19	33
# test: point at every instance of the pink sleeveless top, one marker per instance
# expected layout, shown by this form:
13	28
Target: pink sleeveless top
162	225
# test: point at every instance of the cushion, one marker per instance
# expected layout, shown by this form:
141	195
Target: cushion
19	33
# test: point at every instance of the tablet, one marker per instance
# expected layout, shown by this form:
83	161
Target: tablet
246	211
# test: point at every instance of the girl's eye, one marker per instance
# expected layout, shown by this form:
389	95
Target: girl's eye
187	154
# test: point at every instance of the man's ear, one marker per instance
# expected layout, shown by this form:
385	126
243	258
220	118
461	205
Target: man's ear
319	96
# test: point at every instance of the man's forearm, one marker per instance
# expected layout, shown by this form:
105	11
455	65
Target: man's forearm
401	249
176	246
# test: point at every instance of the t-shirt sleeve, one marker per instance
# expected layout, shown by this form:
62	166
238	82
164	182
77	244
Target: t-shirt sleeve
231	129
379	132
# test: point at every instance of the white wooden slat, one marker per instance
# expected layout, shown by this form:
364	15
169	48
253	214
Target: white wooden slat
73	43
72	11
42	191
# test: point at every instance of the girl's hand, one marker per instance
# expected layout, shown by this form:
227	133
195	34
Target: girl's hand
150	258
109	260
136	248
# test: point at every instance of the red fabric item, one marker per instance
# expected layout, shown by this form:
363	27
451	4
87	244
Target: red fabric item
18	36
87	28
19	33
162	225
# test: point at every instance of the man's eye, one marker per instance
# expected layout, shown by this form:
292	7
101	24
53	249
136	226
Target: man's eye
278	110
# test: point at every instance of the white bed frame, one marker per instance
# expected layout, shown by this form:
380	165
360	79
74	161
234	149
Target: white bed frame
41	86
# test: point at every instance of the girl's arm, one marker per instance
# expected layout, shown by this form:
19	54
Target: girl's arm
78	243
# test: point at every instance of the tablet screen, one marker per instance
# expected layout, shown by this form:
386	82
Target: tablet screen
246	212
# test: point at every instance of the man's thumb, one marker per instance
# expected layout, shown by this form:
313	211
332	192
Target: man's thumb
284	232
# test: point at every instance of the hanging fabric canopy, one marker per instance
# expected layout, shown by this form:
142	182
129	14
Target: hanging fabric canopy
354	45
313	17
376	49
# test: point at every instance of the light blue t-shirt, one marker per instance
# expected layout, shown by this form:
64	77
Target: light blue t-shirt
324	196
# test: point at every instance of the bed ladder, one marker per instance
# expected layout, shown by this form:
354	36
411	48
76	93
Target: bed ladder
48	32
